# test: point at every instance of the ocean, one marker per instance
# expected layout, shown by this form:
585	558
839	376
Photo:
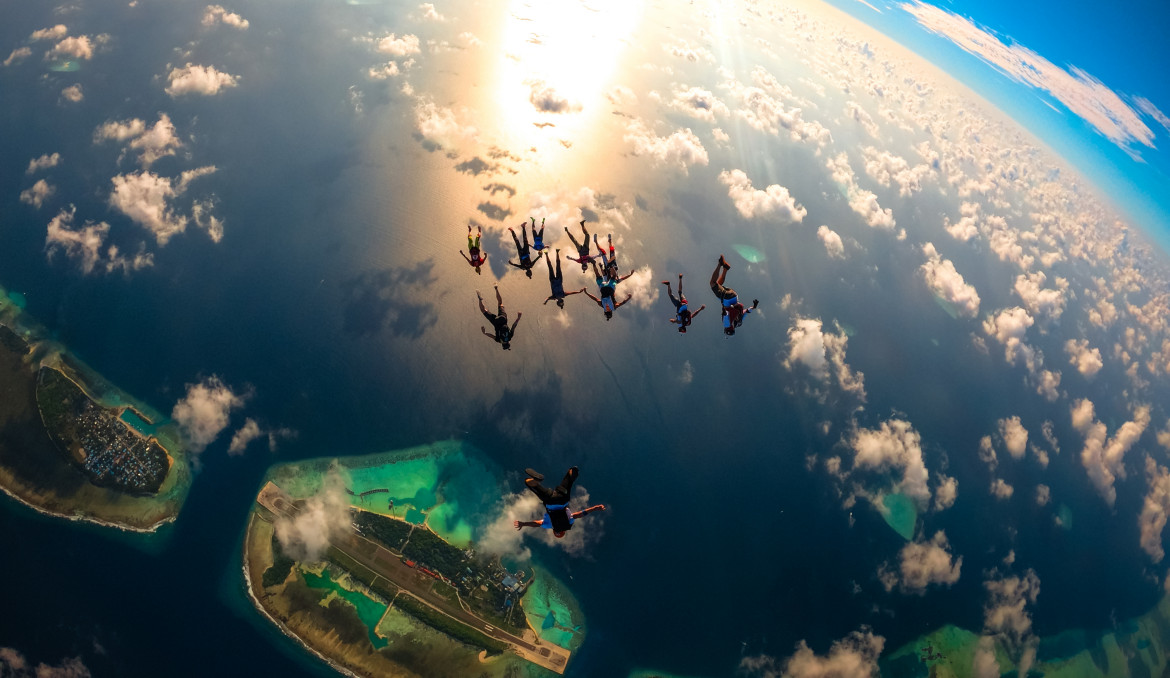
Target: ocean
338	307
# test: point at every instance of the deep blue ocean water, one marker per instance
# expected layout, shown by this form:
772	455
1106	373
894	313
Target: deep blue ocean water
338	302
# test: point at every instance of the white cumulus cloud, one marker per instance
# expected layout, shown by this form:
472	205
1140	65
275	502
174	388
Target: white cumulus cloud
205	412
752	203
948	284
197	79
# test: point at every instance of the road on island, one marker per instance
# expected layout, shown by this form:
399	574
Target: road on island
384	563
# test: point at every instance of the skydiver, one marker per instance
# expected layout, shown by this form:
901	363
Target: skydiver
609	263
682	315
503	334
477	258
526	260
557	282
537	236
607	287
583	255
556	504
733	311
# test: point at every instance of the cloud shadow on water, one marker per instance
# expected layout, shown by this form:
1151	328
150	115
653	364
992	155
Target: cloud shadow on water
386	299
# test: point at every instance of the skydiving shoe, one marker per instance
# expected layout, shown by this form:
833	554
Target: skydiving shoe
534	475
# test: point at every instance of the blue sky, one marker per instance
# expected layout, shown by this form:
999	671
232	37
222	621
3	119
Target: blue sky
1122	49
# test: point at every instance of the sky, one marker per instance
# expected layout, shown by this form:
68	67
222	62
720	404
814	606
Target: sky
1088	82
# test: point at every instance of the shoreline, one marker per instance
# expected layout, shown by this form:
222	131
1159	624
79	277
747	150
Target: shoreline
82	518
248	586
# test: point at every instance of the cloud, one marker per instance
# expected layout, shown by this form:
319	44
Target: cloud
44	162
396	46
620	95
324	515
501	538
1015	436
858	114
1047	303
544	98
1009	328
855	656
641	285
806	346
1087	360
205	412
38	193
832	242
247	433
1043	494
1005	611
948	284
17	55
152	143
823	353
923	563
699	103
1155	508
987	453
946	492
217	14
119	131
14	665
1001	490
1103	457
1080	92
145	197
52	33
78	47
887	168
438	127
83	245
383	72
752	203
205	80
895	445
966	227
681	149
73	94
861	201
429	12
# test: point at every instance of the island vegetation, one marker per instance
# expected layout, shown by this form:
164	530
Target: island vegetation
64	452
399	582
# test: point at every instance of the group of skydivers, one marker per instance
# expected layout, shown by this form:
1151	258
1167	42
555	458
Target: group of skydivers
557	516
607	278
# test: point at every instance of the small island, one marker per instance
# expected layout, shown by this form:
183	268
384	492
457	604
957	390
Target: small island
68	447
381	592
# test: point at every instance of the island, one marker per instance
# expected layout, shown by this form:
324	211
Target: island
369	563
73	445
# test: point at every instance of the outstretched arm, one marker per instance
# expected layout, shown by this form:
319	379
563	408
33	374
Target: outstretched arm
526	523
595	299
481	306
538	256
591	509
515	323
696	313
622	302
569	294
486	333
512	264
625	276
465	257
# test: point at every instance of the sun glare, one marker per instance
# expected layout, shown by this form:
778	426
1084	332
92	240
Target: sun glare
558	59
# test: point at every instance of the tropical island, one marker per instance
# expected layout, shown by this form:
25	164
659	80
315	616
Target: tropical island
74	446
369	564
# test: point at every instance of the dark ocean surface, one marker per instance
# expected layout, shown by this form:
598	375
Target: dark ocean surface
337	302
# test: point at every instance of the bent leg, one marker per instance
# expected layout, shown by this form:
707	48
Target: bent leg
566	485
545	494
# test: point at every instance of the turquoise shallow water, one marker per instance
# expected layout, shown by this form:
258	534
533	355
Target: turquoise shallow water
370	611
